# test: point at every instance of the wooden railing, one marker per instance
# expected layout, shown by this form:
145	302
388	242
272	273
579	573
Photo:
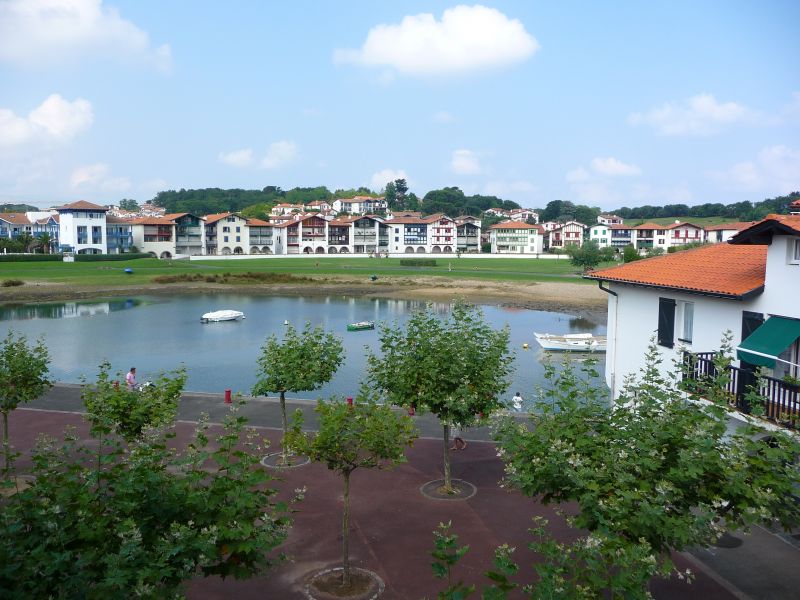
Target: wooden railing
779	399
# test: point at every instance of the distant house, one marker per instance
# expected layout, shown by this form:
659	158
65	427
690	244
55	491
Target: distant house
725	231
523	214
154	235
565	234
360	205
514	237
119	235
82	227
226	233
749	286
261	236
286	209
468	234
680	234
433	234
601	234
606	219
498	212
794	208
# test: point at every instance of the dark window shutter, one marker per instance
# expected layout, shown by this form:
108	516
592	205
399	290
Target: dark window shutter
750	322
666	322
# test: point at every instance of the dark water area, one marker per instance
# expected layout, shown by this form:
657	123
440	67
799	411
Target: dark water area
158	334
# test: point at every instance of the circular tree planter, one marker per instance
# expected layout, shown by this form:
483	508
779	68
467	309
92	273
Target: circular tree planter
275	461
462	490
327	585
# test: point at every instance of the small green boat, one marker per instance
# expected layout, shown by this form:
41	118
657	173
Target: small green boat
361	326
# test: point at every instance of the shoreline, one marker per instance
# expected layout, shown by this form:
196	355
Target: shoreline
580	298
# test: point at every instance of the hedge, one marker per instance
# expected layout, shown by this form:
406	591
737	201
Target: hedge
78	257
418	262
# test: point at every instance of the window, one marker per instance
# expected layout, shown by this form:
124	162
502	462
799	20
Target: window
687	308
238	238
795	257
238	229
666	322
226	229
225	239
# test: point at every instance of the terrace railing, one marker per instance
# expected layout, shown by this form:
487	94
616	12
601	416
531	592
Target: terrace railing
779	399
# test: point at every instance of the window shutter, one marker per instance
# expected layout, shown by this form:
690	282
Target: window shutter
666	322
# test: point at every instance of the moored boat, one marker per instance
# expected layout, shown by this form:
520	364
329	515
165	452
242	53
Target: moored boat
361	326
572	342
222	315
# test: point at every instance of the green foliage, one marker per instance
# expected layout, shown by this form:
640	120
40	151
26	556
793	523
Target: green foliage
301	362
23	377
110	520
10	208
653	251
587	256
673	249
353	192
129	204
453	202
30	257
630	254
364	434
656	471
455	367
130	413
12	283
446	554
418	262
737	211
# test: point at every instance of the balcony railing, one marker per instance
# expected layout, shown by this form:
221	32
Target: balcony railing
781	399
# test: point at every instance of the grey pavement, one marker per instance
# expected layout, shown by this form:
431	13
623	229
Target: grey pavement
765	565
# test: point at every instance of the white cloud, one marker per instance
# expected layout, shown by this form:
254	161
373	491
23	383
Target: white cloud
467	38
510	190
465	162
49	32
54	120
612	167
699	115
279	154
237	158
97	177
384	176
776	170
443	117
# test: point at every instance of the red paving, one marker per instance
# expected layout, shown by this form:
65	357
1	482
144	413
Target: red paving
392	523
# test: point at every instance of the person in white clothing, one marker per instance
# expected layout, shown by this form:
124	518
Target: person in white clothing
516	402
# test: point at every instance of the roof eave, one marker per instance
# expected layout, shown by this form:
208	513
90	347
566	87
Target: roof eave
744	296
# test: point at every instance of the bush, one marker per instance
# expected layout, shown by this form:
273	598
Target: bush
30	257
12	282
103	257
418	262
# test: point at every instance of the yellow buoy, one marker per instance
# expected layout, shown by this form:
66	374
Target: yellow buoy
525	346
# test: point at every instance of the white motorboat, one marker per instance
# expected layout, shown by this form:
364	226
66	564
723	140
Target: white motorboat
222	315
572	342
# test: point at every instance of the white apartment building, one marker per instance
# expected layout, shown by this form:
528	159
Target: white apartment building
82	227
226	233
433	234
564	234
514	237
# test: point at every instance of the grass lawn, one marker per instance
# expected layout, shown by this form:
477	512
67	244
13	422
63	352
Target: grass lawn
144	270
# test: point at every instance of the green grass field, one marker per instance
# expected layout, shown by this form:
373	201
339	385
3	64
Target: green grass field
144	270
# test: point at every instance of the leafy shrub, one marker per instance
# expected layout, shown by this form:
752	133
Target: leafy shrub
248	277
418	262
12	282
30	258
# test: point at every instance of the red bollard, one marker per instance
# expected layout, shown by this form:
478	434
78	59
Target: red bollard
350	401
227	396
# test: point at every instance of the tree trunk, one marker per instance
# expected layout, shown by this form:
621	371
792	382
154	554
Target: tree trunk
284	452
346	532
448	488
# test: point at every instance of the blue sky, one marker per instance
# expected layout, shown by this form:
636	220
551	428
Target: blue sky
608	104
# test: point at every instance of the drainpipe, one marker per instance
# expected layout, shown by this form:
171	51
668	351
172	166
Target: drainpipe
614	338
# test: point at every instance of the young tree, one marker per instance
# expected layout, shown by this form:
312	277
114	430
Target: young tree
129	204
630	254
587	256
117	520
351	436
655	471
302	362
23	377
45	241
455	367
130	412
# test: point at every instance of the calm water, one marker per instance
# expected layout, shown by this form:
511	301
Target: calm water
157	334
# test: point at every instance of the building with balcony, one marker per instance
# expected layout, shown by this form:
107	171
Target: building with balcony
565	234
119	235
434	234
154	235
261	237
226	233
82	227
190	234
468	234
514	237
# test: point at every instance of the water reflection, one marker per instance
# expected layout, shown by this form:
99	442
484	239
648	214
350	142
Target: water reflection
64	310
581	324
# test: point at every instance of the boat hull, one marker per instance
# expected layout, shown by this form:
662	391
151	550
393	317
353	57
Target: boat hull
362	326
578	342
222	315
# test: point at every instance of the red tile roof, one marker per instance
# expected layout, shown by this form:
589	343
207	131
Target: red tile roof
258	223
682	224
721	269
650	226
151	221
517	225
82	205
15	218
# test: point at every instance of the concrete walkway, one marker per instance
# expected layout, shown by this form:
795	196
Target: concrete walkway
392	523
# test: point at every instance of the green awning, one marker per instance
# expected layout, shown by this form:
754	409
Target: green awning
764	345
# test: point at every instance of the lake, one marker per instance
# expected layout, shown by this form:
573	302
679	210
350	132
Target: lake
157	333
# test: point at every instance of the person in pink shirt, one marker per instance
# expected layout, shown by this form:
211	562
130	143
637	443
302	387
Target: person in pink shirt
130	378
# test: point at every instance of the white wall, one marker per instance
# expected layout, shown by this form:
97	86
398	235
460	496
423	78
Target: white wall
68	230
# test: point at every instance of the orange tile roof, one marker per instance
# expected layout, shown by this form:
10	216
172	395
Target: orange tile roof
682	224
516	225
258	223
650	226
82	205
216	217
151	221
173	216
782	224
721	269
118	220
15	218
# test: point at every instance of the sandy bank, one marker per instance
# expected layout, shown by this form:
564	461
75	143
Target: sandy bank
566	296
